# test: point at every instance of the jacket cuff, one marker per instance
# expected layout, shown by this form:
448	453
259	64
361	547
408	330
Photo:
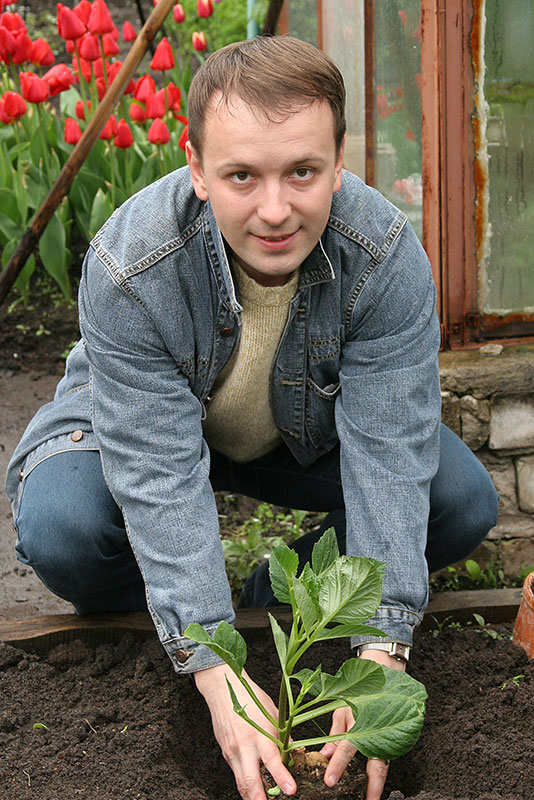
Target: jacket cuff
188	656
397	623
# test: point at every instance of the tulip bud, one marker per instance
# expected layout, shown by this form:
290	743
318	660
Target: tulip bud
128	32
123	137
100	21
58	79
73	132
184	138
110	129
137	113
178	13
204	8
14	105
199	41
69	26
33	88
42	54
158	133
163	58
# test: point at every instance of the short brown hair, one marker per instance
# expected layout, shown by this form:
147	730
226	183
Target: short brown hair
274	75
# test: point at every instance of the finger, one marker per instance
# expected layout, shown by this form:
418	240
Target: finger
340	724
339	762
377	771
280	774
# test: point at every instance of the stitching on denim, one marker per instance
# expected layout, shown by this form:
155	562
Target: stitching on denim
358	289
378	253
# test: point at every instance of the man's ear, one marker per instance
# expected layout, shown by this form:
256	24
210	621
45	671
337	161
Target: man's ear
339	165
197	174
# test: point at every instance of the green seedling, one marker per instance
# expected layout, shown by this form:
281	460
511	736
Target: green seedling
485	628
39	726
515	681
331	598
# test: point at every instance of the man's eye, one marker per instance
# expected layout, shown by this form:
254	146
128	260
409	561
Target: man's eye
240	177
302	173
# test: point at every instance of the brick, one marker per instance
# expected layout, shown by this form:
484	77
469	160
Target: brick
512	423
475	417
450	412
525	483
513	526
516	554
503	476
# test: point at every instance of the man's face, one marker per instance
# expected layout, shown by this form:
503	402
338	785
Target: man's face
270	184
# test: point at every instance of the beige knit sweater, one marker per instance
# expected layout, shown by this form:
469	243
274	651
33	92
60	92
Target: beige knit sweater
239	421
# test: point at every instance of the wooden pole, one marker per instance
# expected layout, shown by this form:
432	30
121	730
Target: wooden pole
79	154
272	17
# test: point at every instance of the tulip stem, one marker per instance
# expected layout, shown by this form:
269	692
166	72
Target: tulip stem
44	142
82	82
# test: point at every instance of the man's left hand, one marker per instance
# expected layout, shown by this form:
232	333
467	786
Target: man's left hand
340	754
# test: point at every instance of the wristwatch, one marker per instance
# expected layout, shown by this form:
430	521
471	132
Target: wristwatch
399	651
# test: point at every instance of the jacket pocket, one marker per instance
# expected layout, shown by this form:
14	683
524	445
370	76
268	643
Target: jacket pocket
320	420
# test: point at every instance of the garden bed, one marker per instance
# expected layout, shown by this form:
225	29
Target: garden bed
121	724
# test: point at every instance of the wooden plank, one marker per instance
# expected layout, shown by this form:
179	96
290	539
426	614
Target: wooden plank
43	633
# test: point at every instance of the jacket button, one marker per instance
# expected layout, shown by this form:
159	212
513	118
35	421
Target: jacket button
21	475
183	655
76	436
226	332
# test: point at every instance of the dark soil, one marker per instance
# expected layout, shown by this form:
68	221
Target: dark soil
120	723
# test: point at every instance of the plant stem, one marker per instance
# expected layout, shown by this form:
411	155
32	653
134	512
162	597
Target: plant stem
44	143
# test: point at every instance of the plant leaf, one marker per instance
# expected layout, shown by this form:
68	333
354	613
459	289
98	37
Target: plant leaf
354	678
280	640
307	609
311	583
350	590
309	679
227	643
388	723
283	565
54	254
347	629
325	551
102	208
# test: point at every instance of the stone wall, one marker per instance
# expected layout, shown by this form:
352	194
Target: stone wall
488	400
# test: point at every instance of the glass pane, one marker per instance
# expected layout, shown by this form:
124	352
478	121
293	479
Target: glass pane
508	277
398	106
343	40
302	19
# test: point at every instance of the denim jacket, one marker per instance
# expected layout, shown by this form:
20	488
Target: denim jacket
357	363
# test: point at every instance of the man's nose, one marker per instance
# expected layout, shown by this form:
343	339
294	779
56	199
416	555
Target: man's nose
274	207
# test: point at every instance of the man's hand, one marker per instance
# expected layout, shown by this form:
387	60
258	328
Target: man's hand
341	754
242	746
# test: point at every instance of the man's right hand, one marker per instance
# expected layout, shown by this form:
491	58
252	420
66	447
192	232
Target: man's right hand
242	746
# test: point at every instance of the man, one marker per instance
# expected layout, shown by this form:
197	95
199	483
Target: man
262	322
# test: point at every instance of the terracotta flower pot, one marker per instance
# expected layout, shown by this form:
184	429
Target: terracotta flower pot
524	623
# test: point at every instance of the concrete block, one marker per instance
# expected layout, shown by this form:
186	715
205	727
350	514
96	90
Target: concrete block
525	483
475	417
503	476
450	412
513	526
516	554
512	423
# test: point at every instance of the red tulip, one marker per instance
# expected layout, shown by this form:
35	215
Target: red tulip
181	118
178	12
199	41
128	32
155	105
24	48
111	48
58	79
42	54
89	47
101	87
110	129
12	21
137	113
84	67
73	132
8	42
83	11
69	26
158	133
79	108
174	97
144	87
114	70
33	88
5	118
204	8
123	136
163	58
100	19
183	138
14	105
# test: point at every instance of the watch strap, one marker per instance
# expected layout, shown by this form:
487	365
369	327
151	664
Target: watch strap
399	651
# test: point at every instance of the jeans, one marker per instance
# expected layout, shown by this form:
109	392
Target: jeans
72	532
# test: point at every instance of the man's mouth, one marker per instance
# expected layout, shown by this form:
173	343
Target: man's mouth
276	238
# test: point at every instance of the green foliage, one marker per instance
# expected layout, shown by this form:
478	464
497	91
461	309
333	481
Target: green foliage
333	597
249	545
